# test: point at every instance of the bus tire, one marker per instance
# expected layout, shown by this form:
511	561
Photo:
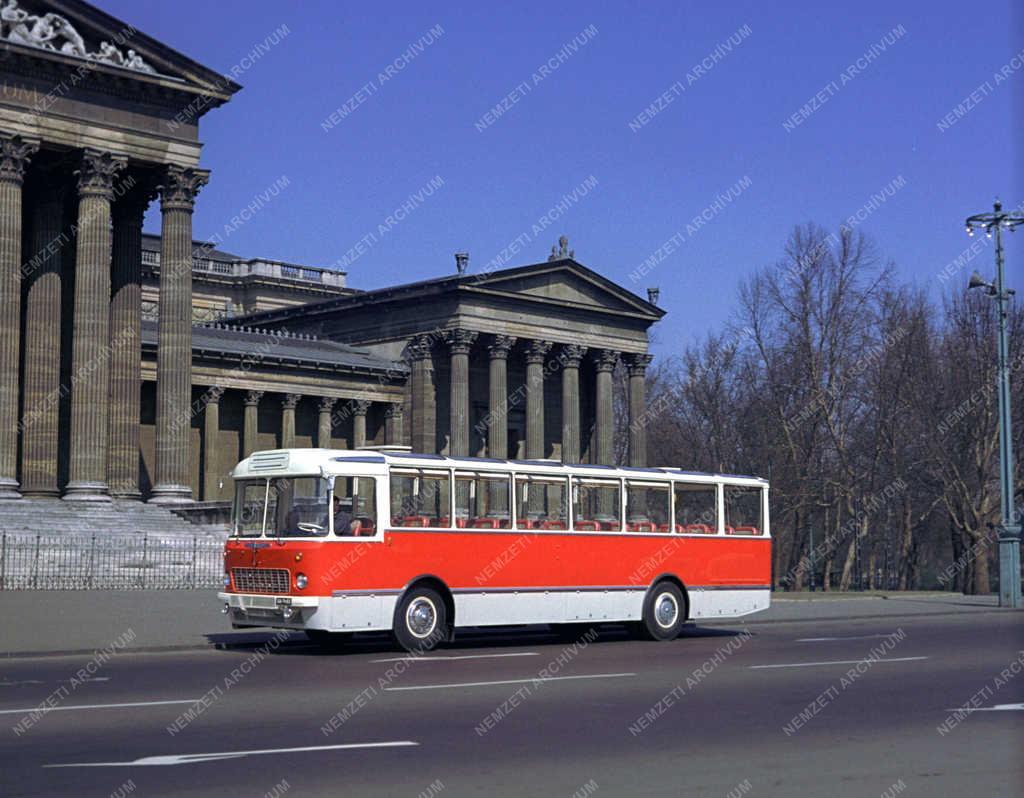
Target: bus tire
421	620
664	612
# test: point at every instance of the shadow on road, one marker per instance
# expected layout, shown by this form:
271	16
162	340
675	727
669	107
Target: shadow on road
297	644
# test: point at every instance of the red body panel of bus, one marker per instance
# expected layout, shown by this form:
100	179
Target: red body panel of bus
482	560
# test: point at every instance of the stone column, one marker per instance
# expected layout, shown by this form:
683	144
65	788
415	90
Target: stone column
497	411
174	339
211	430
250	422
570	357
41	405
536	351
126	339
393	423
604	437
637	368
288	405
91	347
14	155
459	343
359	409
325	422
424	400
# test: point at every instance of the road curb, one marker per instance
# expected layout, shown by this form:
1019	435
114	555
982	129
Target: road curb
982	611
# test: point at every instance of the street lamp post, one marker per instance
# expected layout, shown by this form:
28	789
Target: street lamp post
1009	530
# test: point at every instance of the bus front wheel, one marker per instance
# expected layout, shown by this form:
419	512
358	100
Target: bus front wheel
421	620
664	612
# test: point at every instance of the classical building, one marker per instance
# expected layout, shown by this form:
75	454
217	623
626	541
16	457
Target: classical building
136	366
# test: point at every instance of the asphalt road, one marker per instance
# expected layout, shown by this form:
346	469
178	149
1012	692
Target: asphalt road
715	713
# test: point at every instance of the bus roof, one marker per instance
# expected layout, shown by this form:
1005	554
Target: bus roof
284	462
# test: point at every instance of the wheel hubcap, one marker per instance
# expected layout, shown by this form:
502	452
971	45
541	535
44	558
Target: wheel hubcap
421	617
666	610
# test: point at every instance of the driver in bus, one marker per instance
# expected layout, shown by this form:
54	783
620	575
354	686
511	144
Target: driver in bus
344	522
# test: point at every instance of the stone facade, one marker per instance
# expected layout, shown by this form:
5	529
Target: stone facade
140	366
515	363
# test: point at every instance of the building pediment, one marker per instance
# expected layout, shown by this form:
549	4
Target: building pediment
72	34
566	282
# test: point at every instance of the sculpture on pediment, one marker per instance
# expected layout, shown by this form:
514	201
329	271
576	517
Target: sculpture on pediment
562	251
53	32
21	27
109	54
73	44
134	61
12	17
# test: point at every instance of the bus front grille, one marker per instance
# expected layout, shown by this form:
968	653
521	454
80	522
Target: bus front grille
260	580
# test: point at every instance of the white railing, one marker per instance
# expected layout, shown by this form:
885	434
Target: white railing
242	268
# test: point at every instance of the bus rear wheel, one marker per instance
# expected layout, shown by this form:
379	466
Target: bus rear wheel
421	620
664	612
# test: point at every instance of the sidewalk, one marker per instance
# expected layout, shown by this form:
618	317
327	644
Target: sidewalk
72	621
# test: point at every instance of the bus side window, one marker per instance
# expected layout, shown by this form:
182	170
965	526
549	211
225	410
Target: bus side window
696	508
743	510
364	506
596	505
648	507
420	499
482	502
541	503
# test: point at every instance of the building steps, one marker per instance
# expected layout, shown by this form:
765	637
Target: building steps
57	517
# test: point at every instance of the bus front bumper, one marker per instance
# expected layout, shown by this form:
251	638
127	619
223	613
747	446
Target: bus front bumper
262	609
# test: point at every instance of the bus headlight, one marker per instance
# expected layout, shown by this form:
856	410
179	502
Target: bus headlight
301	581
227	580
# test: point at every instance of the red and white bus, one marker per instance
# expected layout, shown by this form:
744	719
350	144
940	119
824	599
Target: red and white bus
344	541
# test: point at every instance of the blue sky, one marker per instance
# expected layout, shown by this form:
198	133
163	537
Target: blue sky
878	124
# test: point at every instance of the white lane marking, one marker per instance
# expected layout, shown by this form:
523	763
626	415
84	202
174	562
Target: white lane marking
853	637
510	681
454	657
37	681
47	710
996	708
834	662
187	759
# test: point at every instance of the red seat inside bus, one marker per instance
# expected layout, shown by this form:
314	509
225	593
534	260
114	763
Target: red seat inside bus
591	526
486	523
552	524
412	520
664	528
743	530
640	526
702	529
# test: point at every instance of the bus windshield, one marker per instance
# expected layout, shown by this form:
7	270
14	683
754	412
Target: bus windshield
283	507
301	507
